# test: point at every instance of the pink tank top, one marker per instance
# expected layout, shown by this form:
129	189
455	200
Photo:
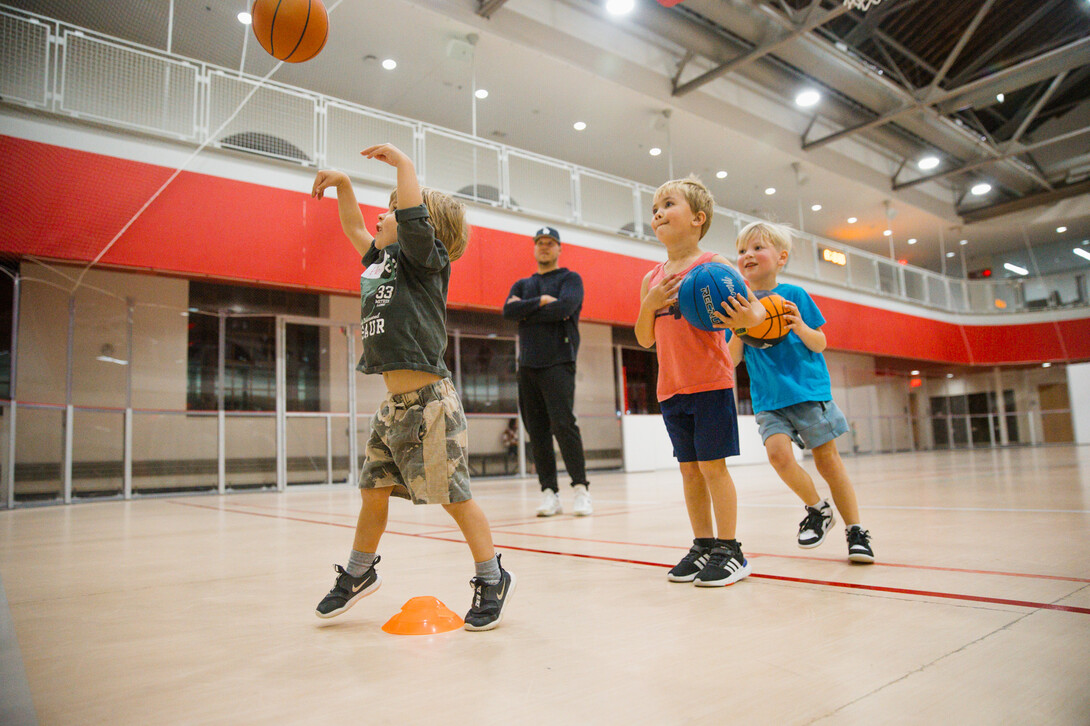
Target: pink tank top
690	360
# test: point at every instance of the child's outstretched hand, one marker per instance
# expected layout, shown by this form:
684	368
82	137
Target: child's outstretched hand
324	180
664	294
387	153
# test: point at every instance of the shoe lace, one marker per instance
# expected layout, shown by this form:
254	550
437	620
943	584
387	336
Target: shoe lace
813	520
695	553
858	535
478	591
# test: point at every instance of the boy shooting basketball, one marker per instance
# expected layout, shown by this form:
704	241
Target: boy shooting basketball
417	449
695	384
792	394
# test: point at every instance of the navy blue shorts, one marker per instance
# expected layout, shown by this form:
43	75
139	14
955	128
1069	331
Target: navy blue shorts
702	426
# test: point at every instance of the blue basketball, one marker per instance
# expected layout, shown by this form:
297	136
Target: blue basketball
704	290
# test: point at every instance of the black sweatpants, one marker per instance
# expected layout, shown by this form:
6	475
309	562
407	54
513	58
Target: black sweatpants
547	400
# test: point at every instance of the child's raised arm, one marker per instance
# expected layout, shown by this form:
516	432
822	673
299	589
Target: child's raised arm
408	187
347	207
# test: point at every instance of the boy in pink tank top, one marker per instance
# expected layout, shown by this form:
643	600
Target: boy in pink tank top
696	384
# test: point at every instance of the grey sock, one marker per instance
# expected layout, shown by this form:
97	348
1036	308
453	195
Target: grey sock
489	570
359	562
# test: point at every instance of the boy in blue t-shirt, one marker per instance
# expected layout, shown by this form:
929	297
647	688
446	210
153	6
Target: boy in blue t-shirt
792	395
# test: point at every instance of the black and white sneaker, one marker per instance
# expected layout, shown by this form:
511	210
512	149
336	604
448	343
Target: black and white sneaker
859	549
348	590
489	601
690	565
726	565
815	524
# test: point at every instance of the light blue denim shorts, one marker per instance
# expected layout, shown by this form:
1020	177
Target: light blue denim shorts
809	424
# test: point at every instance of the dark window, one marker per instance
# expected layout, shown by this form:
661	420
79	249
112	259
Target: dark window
640	369
250	348
489	374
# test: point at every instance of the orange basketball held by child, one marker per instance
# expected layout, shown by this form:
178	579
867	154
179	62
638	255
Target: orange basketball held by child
773	329
290	30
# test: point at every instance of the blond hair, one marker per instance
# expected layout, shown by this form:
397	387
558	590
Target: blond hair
776	235
695	193
448	218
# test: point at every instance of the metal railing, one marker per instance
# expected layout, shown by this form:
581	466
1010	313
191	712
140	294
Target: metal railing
77	73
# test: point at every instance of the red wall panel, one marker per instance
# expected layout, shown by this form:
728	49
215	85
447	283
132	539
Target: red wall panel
65	204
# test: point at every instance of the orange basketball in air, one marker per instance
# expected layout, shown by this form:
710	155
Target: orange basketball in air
774	328
290	30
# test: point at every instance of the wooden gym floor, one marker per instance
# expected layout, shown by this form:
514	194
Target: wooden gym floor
199	610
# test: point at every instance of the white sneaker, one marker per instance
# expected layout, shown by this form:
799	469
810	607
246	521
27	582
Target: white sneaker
583	506
550	504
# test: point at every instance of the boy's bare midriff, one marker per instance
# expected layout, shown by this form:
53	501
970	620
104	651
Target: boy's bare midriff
405	381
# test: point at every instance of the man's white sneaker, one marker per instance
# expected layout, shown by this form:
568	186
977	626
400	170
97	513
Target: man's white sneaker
550	504
583	507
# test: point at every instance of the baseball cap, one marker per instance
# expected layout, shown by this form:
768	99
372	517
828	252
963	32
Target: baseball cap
547	232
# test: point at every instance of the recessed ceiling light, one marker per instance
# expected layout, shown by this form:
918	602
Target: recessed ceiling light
770	191
815	207
852	220
1081	253
1000	97
1061	230
928	162
1015	268
949	254
887	233
481	93
620	7
912	240
389	64
245	18
579	125
914	373
720	174
981	189
655	151
963	242
807	98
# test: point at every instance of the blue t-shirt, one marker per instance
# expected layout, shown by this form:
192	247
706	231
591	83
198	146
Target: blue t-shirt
789	372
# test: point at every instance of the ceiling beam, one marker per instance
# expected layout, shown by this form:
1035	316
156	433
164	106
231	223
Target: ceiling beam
485	8
760	51
1012	150
1032	70
981	214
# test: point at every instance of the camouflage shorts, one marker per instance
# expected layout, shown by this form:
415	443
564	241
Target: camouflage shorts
418	446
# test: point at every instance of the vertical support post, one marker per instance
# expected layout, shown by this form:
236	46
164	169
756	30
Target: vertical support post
221	394
69	410
518	418
328	449
127	456
353	425
9	474
281	407
1001	405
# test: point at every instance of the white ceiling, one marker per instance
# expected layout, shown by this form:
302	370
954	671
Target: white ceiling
549	63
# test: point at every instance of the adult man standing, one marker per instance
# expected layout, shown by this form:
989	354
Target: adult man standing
546	306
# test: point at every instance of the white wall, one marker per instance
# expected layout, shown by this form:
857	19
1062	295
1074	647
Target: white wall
1078	389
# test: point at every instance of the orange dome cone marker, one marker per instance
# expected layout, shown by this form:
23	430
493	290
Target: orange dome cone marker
423	615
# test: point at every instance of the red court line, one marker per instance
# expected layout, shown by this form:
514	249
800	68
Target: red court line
782	578
1000	573
540	520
